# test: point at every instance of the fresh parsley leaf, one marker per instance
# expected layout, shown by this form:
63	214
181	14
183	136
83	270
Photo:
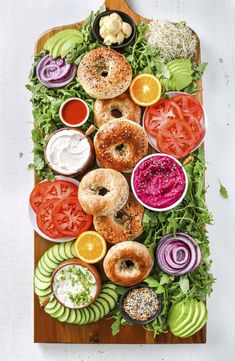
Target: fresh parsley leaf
223	191
184	284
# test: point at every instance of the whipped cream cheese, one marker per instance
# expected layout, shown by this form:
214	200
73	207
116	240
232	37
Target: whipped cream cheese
68	151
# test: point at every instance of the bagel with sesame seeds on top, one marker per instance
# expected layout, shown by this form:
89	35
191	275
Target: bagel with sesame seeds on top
123	225
104	73
120	144
116	108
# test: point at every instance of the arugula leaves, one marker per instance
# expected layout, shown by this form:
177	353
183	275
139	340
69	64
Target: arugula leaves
189	217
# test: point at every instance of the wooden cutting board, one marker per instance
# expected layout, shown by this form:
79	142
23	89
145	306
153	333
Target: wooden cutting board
49	330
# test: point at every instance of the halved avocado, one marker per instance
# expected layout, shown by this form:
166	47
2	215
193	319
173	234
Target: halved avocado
198	322
55	47
69	45
61	34
186	318
175	314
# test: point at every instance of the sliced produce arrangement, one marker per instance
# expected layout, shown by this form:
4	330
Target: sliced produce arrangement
47	264
117	147
58	211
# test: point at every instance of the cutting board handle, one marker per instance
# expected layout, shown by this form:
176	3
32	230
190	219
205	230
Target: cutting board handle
122	6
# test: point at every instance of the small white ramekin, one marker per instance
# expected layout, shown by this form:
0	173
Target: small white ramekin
172	205
73	125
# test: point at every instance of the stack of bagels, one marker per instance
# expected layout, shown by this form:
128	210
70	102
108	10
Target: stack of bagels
120	143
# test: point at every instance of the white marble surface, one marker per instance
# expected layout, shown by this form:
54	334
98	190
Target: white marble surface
21	21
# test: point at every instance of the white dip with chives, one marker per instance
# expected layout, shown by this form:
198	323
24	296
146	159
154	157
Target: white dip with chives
74	286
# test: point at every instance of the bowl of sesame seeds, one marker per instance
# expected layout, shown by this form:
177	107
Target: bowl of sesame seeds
140	304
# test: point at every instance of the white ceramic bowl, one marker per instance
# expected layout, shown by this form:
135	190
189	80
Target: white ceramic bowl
73	125
204	123
172	205
33	218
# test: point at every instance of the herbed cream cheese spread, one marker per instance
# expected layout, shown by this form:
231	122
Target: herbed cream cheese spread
68	151
74	286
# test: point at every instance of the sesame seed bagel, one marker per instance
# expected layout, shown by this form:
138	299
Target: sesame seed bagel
104	73
128	263
120	144
122	106
123	225
103	192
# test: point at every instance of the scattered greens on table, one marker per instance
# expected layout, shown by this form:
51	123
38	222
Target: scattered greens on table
223	191
148	54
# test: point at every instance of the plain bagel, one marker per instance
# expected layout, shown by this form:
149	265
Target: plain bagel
128	263
104	73
116	108
123	225
103	192
120	144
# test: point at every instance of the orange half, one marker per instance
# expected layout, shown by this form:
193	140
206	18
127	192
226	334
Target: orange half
145	90
90	247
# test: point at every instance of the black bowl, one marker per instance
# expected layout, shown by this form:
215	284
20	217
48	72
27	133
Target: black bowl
125	17
131	320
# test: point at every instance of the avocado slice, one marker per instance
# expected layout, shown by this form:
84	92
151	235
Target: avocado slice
56	45
186	319
175	314
69	45
61	34
201	320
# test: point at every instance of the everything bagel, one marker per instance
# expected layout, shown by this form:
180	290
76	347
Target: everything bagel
104	73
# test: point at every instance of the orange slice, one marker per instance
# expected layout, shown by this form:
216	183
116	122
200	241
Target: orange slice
90	247
145	90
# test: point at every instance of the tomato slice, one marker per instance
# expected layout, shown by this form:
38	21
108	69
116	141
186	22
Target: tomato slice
44	219
37	194
189	105
195	126
159	113
70	219
176	138
61	189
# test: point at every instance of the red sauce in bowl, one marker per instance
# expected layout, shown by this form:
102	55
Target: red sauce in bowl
74	112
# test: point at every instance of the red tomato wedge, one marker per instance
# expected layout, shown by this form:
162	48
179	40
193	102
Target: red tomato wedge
44	219
160	113
70	219
189	105
37	194
175	138
61	189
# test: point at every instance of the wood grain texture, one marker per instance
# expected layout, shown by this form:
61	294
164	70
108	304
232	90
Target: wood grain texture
49	330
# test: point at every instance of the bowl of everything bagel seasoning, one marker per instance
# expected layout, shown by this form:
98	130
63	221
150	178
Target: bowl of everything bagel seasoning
140	304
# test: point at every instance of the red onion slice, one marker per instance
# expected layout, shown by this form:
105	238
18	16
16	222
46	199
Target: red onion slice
178	254
54	73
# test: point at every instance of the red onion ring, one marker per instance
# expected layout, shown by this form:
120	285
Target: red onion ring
54	73
178	254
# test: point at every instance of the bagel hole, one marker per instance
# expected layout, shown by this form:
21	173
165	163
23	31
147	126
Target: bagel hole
116	113
102	191
119	217
129	263
104	73
120	148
